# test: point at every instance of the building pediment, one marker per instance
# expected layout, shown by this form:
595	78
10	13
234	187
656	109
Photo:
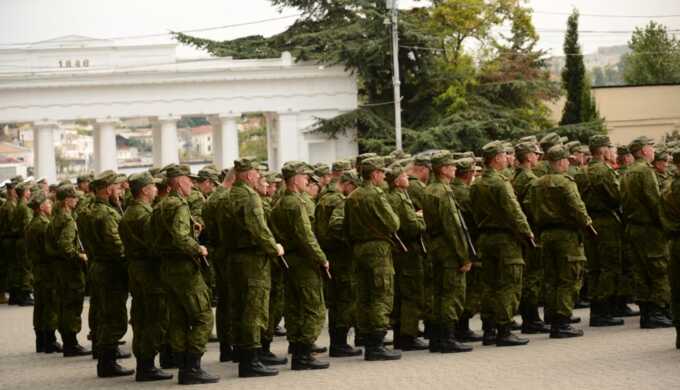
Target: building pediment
70	41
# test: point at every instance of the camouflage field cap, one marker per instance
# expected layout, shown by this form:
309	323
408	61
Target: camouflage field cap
392	172
352	177
572	146
549	140
141	180
459	155
466	164
661	154
84	178
422	160
179	170
208	173
341	166
66	191
493	148
509	147
622	150
372	164
293	168
529	138
556	153
524	148
600	140
638	143
37	198
26	185
274	177
676	156
442	158
362	157
321	169
106	178
245	164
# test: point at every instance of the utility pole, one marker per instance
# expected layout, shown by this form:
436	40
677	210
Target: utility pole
394	13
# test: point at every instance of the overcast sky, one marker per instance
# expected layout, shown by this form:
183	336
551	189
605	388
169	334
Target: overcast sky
23	21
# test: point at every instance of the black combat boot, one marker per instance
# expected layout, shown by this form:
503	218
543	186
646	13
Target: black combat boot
71	346
24	299
339	346
600	316
489	336
225	352
120	354
515	326
235	357
449	344
148	372
250	366
12	297
464	333
435	335
51	343
652	317
620	308
533	323
107	366
505	338
318	349
375	348
267	357
304	360
561	328
39	341
192	373
279	331
412	343
165	358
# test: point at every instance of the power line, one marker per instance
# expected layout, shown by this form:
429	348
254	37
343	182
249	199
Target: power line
608	15
203	29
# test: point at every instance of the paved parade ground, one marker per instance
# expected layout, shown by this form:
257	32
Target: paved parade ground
618	358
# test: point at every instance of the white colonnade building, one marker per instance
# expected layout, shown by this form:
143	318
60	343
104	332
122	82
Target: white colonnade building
79	78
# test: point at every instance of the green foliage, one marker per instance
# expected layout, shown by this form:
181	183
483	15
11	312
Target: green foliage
573	74
654	57
253	143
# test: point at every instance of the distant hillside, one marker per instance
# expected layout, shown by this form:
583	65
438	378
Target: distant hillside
604	65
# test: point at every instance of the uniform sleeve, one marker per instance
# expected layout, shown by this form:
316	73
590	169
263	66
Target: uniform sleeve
256	224
181	231
336	222
196	204
612	188
386	219
111	234
650	188
508	202
410	225
66	241
302	230
453	229
575	204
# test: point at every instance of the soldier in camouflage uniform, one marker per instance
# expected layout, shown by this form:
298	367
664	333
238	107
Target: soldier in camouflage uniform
547	142
62	245
305	306
671	208
251	247
641	202
559	214
599	187
532	278
408	263
448	251
8	242
21	275
277	293
474	288
206	182
370	225
661	164
46	309
149	308
108	274
502	227
191	317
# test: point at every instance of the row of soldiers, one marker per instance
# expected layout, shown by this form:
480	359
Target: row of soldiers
383	244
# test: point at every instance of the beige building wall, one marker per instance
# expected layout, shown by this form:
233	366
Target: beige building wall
632	111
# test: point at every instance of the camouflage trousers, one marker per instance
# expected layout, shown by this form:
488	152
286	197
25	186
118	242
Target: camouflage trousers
6	246
46	306
305	306
448	284
375	286
110	287
409	295
604	258
71	292
149	312
675	280
191	317
501	255
650	263
22	270
626	286
342	290
250	279
564	260
223	317
532	277
276	299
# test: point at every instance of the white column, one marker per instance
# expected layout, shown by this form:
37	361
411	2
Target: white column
105	145
225	140
165	142
288	138
271	141
44	162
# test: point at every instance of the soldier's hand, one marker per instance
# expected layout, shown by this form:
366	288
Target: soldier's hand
279	250
83	257
419	213
466	267
203	251
198	227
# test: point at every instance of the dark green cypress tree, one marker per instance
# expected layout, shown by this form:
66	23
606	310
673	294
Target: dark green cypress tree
573	74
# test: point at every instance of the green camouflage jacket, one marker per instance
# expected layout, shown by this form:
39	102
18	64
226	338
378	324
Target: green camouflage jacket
442	220
247	221
35	237
640	196
411	226
106	244
171	229
369	216
554	200
134	230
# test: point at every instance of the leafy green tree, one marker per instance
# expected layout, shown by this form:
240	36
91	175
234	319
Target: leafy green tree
654	56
